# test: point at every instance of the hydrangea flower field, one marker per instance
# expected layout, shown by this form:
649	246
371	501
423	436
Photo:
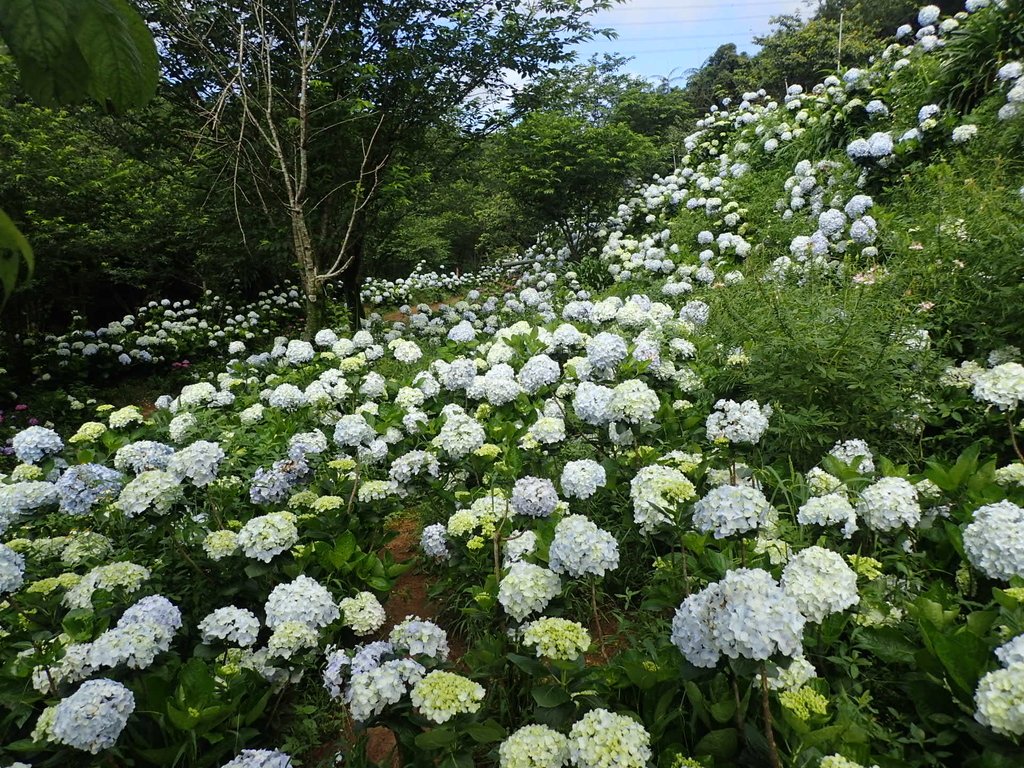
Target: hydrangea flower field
755	497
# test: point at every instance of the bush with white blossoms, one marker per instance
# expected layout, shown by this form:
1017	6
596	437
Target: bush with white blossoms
821	583
657	491
236	626
731	509
738	422
573	434
91	719
534	746
1001	386
746	614
994	540
265	537
888	504
582	478
580	548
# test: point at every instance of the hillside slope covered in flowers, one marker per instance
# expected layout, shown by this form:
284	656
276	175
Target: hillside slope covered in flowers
750	496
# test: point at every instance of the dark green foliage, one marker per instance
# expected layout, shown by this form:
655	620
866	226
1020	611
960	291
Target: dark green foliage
66	52
972	59
549	153
827	355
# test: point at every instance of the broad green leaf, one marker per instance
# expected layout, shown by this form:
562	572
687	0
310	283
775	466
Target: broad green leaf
196	684
122	72
38	30
439	738
14	249
721	744
181	718
79	623
486	732
887	644
344	547
549	695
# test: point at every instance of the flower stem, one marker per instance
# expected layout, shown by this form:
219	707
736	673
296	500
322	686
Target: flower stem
769	731
1013	437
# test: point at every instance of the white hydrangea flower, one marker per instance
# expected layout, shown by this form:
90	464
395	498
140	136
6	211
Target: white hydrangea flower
266	536
534	497
35	443
847	451
12	569
999	699
418	637
889	503
156	489
304	600
1002	386
793	676
197	462
821	583
92	718
829	509
555	638
371	691
291	637
591	403
730	509
236	626
538	372
580	548
738	422
633	402
534	746
460	435
606	350
602	739
1011	652
363	613
656	491
526	589
746	614
994	540
440	696
581	478
260	758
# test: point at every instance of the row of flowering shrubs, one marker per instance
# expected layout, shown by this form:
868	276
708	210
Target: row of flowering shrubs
636	573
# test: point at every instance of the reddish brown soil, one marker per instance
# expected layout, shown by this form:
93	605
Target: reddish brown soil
407	598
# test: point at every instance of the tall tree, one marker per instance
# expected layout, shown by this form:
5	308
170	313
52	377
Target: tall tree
315	98
569	171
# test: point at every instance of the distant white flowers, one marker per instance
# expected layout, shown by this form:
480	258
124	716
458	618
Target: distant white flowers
738	422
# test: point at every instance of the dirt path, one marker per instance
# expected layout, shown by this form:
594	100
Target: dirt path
407	598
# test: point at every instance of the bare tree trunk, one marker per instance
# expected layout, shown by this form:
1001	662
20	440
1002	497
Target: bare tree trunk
313	294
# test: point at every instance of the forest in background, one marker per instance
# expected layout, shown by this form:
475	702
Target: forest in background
123	209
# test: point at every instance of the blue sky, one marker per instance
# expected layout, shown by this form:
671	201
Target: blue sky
668	37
